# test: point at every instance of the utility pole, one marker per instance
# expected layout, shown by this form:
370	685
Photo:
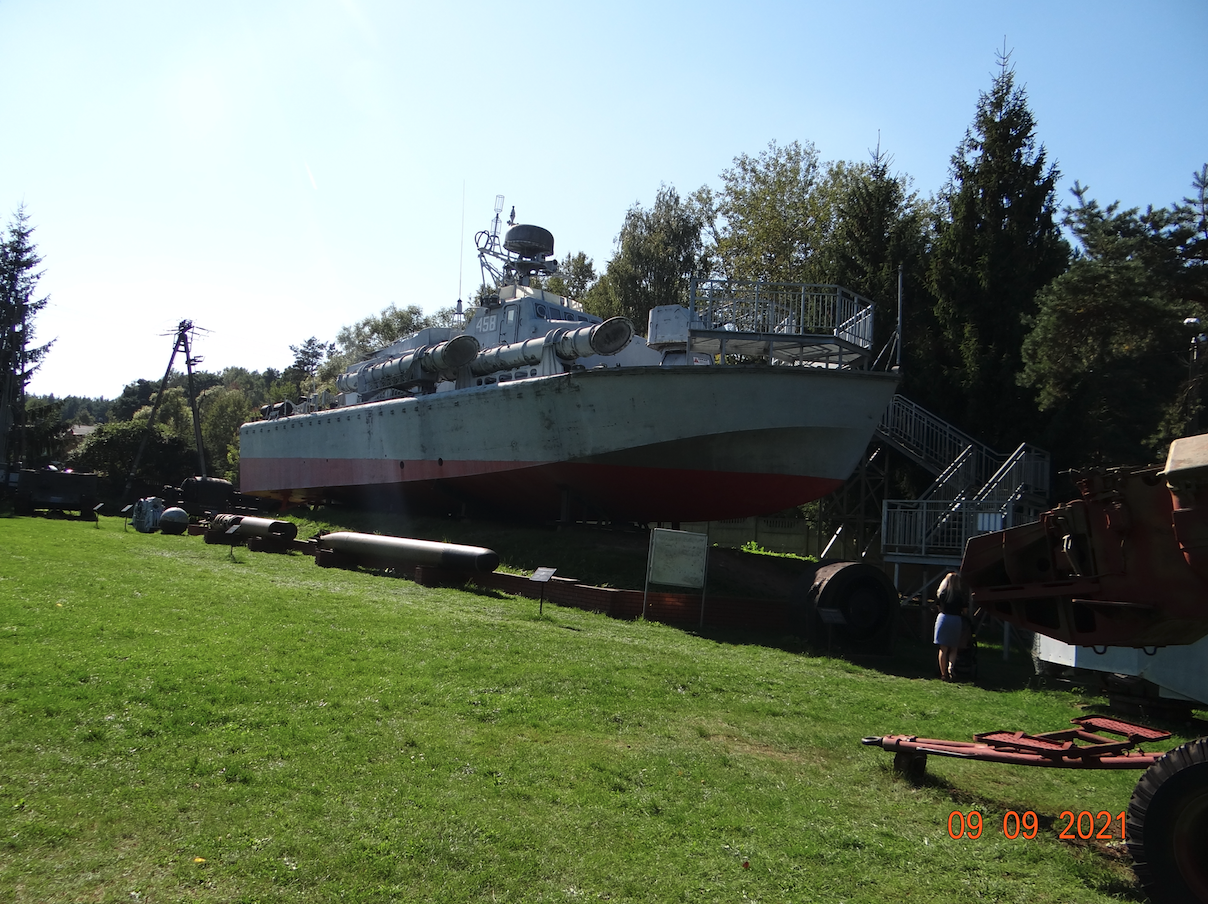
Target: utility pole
183	329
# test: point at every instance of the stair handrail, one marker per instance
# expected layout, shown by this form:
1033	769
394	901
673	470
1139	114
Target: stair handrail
962	464
926	437
1030	463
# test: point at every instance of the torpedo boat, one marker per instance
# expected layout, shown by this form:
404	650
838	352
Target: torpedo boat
749	399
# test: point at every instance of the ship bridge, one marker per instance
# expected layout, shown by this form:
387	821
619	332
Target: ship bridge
789	323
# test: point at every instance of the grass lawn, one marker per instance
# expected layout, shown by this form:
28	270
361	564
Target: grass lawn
179	722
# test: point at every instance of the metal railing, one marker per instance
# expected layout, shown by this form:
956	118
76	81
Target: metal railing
956	479
939	528
930	440
977	490
784	309
1027	468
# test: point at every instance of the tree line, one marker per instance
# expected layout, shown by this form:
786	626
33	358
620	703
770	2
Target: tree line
1075	327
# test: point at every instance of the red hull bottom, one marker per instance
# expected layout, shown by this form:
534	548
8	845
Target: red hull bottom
578	490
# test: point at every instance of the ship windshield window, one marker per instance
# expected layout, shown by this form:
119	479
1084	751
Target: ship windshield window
512	314
541	312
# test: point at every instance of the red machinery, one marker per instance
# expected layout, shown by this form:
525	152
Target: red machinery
1126	564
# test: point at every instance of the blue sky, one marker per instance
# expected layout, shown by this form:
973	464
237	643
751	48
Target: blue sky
275	170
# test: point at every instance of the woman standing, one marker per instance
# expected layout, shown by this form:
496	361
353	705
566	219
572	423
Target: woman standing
953	599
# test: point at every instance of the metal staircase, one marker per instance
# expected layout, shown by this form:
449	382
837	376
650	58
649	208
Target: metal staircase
976	490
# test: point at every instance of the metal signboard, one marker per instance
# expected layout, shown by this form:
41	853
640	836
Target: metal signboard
678	558
542	576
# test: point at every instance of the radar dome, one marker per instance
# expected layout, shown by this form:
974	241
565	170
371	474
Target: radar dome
529	241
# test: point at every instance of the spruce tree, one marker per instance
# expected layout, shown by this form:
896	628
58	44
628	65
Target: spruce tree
1108	352
997	245
880	225
18	358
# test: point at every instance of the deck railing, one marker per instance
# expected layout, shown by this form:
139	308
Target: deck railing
784	309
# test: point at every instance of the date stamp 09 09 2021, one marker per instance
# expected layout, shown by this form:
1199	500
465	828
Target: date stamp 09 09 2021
1071	826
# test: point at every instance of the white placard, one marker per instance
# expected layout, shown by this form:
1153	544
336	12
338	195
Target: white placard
677	558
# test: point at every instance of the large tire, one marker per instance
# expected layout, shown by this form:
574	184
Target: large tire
1167	826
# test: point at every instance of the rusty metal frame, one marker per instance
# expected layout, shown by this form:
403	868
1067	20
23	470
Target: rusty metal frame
1055	749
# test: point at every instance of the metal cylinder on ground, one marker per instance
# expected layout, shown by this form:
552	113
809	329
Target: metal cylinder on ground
407	552
241	527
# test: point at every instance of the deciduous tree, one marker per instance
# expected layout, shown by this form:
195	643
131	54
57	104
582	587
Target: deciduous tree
659	251
167	458
223	412
575	277
769	217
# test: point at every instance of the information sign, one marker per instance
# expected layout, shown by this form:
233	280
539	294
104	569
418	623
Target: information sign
677	558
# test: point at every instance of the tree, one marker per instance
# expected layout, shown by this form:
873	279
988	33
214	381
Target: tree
576	275
376	332
1106	349
175	414
659	252
878	225
446	316
770	215
310	354
225	411
19	358
998	245
167	458
46	433
372	334
133	396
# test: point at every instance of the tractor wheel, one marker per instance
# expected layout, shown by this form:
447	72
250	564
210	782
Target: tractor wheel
1167	826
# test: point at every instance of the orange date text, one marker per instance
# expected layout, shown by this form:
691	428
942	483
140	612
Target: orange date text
1083	825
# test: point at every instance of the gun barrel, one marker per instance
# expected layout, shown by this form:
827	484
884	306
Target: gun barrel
605	338
438	362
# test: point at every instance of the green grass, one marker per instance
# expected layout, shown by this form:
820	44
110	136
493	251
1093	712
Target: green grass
179	722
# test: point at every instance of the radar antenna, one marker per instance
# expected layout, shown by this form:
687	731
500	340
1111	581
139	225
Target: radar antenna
522	254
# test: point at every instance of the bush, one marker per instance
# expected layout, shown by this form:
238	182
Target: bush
110	451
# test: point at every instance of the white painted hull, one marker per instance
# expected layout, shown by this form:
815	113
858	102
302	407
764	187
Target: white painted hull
640	443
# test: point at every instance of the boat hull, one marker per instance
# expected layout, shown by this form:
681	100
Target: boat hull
634	443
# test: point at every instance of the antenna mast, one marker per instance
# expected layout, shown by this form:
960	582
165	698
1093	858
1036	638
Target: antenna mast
183	329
